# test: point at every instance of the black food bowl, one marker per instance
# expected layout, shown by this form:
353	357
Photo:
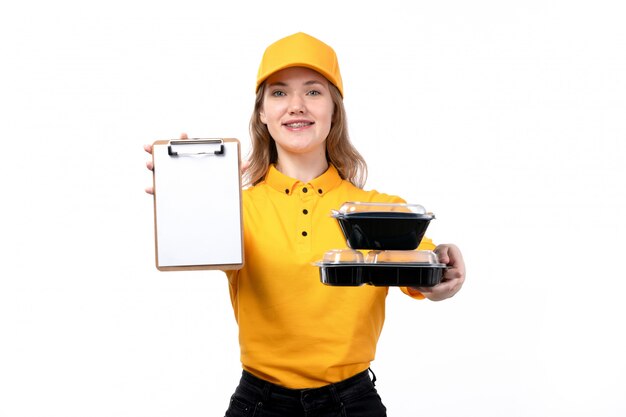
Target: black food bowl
381	276
383	226
347	268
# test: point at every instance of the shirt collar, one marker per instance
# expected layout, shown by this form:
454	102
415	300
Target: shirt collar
320	185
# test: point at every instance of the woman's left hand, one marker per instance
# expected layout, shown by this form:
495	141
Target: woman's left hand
453	276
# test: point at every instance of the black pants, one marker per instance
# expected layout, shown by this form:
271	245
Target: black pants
353	397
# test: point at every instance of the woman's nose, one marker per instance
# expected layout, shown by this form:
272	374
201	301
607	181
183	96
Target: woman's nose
296	105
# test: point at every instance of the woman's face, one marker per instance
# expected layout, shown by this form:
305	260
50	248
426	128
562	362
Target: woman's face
297	109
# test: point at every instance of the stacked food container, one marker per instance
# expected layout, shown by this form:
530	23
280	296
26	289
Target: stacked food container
383	239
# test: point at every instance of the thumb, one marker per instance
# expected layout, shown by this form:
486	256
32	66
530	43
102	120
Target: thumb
244	166
442	254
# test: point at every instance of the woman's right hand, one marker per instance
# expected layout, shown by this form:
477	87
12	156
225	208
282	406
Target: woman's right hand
150	165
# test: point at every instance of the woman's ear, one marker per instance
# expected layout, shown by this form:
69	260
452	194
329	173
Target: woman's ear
262	117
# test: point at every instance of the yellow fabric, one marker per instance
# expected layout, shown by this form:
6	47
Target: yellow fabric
300	50
293	330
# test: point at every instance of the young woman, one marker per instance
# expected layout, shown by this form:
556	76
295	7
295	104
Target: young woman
306	347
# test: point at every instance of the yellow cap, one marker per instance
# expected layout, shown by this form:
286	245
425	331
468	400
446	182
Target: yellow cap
300	50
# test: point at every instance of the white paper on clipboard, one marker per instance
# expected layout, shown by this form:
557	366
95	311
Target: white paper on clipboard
197	204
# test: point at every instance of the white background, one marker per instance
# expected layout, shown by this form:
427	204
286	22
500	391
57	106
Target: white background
506	119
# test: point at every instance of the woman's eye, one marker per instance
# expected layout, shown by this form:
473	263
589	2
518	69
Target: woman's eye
314	93
278	93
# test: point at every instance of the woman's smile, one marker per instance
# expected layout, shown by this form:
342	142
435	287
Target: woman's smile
298	124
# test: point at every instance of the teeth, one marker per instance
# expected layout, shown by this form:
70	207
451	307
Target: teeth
298	124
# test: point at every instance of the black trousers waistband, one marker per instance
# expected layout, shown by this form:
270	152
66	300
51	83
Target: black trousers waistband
354	396
332	393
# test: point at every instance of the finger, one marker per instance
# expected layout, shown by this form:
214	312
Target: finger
424	290
442	254
244	166
150	165
441	291
444	286
455	254
147	148
452	273
451	287
150	190
184	136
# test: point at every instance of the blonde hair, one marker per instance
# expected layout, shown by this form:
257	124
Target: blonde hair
339	150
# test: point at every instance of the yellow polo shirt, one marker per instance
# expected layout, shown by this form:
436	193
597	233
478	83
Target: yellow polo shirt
293	330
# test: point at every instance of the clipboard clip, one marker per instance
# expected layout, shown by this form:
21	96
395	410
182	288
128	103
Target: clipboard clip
196	147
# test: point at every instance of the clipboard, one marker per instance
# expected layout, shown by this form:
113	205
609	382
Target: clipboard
197	204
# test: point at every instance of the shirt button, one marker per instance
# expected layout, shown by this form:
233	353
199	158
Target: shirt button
304	233
304	190
286	190
305	211
319	191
